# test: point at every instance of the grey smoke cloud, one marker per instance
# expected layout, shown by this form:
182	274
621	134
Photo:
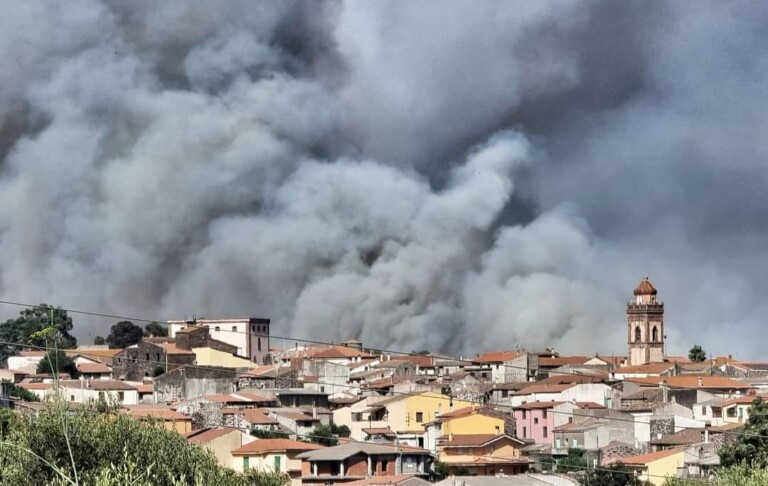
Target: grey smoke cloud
461	178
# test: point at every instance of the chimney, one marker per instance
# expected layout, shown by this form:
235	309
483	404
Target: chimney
664	391
706	436
314	412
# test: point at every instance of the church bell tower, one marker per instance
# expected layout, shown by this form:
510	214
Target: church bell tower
645	326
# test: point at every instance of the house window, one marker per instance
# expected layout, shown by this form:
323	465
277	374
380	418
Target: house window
101	395
246	463
71	398
158	357
536	421
277	463
484	375
147	357
504	393
419	416
655	333
638	334
259	345
544	432
384	465
574	443
544	413
217	329
121	396
557	443
234	328
524	414
525	432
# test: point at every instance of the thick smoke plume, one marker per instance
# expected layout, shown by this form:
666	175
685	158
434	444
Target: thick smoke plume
458	177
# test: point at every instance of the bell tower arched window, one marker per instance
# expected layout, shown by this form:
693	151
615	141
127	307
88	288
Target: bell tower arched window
655	334
638	334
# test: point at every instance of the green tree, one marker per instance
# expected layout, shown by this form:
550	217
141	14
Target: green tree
269	434
750	447
340	430
27	329
99	341
124	334
22	393
613	475
575	461
56	361
159	370
322	434
441	470
729	476
154	329
696	354
108	449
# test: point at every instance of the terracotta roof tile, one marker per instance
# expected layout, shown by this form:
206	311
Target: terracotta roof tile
465	440
206	435
91	368
544	388
643	459
263	446
256	417
649	368
692	382
558	361
497	357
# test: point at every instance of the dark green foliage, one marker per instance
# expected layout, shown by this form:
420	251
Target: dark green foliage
613	475
99	341
340	430
57	362
441	470
124	334
27	330
461	471
575	461
22	393
696	354
153	329
159	370
750	447
423	352
108	449
269	434
323	434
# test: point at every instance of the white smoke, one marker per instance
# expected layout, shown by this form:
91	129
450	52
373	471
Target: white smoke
464	177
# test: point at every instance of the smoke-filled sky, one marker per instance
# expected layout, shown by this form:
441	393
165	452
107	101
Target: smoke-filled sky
456	176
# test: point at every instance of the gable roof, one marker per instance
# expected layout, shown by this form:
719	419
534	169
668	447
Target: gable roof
264	446
388	480
171	348
254	416
467	440
649	368
202	436
343	451
87	368
537	405
557	361
337	352
644	459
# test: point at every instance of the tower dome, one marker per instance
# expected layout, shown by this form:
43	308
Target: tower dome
646	288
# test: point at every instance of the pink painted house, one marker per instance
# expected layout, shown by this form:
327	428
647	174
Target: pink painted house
536	420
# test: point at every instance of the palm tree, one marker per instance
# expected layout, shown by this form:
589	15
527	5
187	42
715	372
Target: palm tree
696	354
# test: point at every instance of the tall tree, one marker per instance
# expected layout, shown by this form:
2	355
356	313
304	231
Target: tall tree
43	325
56	361
750	447
99	341
696	354
124	334
154	329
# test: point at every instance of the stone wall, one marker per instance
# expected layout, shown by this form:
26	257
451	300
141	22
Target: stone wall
188	383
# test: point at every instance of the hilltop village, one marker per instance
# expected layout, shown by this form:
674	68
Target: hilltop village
344	414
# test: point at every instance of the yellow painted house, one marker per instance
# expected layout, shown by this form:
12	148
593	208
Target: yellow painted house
400	413
214	357
655	467
470	420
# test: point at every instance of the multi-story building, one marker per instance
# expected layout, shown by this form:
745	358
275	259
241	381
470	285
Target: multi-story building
249	335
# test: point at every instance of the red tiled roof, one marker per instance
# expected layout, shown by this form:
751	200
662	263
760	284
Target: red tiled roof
256	417
263	446
544	388
537	405
90	368
649	368
643	459
35	386
337	352
379	431
171	348
381	480
206	435
692	382
32	354
159	413
146	388
421	361
562	361
497	357
465	440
